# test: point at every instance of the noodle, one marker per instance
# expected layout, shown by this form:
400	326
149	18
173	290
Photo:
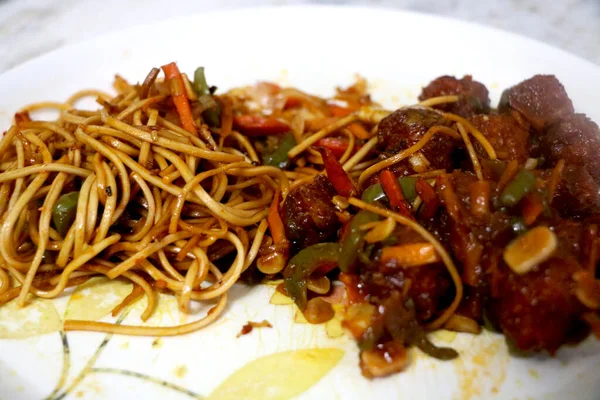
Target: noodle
199	198
170	188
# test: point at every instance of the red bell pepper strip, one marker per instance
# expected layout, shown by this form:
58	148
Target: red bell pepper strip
394	193
337	145
256	125
429	198
175	82
336	174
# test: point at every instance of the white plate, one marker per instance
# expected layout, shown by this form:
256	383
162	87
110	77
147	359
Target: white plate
314	48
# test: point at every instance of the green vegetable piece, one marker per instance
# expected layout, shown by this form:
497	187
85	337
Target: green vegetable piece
279	156
200	85
354	240
212	111
441	353
64	211
305	263
515	190
212	116
375	192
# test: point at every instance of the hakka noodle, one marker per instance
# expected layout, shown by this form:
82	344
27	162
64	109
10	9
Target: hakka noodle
433	216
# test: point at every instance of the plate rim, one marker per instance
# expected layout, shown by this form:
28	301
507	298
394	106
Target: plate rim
342	8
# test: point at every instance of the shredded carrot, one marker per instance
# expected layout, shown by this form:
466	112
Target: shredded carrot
394	193
410	255
532	208
175	81
428	197
275	222
338	111
509	172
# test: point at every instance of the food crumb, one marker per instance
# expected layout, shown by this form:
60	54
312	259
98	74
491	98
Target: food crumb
246	329
180	371
157	343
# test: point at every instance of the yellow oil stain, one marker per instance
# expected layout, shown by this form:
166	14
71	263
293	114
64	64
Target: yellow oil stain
37	318
79	393
180	371
444	335
280	299
124	345
486	364
157	343
96	298
534	373
268	377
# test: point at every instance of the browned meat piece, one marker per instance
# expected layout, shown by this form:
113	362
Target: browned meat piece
403	128
577	194
575	139
428	288
541	100
308	215
538	310
473	95
505	134
428	285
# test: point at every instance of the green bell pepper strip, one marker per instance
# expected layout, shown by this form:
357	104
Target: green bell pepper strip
517	188
305	263
212	111
375	192
441	353
279	156
354	240
200	85
64	212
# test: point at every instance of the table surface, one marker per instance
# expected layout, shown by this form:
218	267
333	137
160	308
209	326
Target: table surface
29	28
